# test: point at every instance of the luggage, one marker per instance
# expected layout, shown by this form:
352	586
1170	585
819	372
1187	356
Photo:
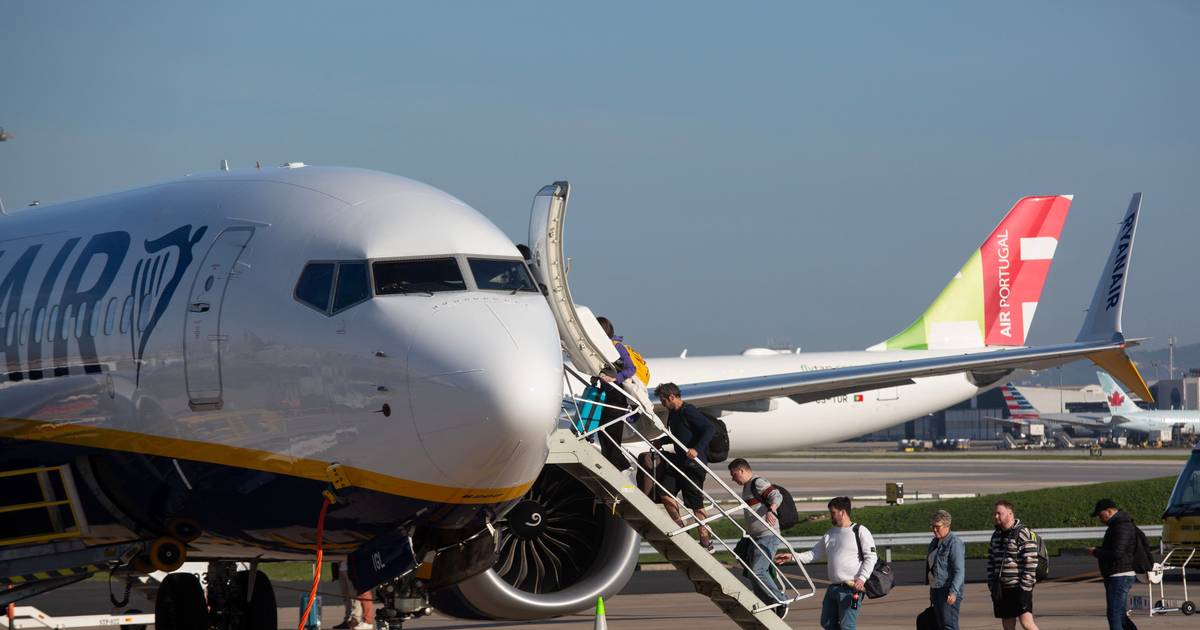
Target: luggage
718	446
787	513
882	578
927	620
590	413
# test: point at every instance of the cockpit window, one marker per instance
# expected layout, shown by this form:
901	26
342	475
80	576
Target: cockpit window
315	285
352	285
501	275
429	275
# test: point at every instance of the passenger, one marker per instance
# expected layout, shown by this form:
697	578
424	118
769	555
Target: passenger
848	570
694	430
945	568
358	607
1116	561
627	378
757	491
1012	568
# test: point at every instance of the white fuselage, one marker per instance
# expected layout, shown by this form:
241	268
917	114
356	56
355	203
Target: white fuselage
1150	420
784	424
161	330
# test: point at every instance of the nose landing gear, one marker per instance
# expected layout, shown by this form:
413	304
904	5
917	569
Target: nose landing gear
401	599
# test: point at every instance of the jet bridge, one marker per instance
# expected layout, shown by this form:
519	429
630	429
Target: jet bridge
576	451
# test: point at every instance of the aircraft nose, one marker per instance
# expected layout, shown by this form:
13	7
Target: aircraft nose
485	380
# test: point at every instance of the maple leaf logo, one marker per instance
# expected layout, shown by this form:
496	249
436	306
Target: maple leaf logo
1116	399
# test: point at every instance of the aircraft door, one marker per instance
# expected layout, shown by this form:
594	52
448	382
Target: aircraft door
549	268
202	338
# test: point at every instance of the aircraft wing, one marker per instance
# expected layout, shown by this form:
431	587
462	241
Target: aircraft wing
818	384
1081	421
1101	339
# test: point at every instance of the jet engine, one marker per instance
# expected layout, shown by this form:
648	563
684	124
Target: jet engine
556	552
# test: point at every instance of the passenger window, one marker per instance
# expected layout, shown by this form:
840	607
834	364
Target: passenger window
315	285
501	275
110	315
432	275
39	321
52	323
127	314
25	327
352	285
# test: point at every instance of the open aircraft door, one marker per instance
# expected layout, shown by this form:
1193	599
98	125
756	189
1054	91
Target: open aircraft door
583	341
202	339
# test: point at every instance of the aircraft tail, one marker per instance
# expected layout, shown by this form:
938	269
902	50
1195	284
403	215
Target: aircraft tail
1018	407
1103	321
992	299
1118	401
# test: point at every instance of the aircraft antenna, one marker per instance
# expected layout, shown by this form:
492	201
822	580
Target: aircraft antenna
224	165
257	164
2	210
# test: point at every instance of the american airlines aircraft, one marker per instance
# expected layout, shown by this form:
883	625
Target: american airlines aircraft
256	365
1021	413
1127	415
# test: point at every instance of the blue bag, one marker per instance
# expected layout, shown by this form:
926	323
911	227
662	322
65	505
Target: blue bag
589	412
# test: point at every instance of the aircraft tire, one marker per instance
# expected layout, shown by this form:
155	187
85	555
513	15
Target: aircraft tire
260	612
167	554
180	604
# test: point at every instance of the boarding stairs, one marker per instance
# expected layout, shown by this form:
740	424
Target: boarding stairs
1063	440
573	450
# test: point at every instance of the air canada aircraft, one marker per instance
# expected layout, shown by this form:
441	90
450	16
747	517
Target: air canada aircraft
1127	415
258	365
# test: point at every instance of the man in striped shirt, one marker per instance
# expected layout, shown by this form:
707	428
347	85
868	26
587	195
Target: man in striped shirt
1012	569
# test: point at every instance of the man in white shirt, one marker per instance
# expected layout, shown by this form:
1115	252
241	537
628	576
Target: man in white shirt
848	567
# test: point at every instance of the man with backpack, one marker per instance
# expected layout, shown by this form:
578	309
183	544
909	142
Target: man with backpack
849	550
758	551
691	427
1121	554
1012	568
632	376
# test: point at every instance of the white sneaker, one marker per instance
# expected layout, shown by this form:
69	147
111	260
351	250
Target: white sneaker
362	625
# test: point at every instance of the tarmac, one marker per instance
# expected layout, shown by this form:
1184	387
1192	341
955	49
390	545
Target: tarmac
664	600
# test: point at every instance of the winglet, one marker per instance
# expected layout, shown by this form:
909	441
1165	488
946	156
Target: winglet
1103	321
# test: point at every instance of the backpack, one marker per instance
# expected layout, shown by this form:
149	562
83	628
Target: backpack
1043	557
1143	562
639	364
882	579
788	514
718	446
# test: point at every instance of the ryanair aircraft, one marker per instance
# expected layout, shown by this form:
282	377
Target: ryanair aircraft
259	365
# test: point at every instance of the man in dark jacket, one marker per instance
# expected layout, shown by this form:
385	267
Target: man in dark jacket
694	430
1116	561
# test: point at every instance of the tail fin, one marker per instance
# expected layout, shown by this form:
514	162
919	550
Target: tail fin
1103	321
992	299
1018	407
1118	401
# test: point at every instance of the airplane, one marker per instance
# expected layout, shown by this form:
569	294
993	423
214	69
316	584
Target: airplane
1021	413
1127	415
263	364
989	304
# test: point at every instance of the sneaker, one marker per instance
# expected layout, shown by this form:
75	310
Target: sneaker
348	624
708	546
362	625
782	611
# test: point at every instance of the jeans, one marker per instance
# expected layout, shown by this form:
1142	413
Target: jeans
1116	591
836	611
760	566
946	615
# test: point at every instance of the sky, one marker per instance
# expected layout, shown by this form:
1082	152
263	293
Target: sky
742	175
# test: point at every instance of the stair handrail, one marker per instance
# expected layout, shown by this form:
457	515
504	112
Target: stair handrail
637	408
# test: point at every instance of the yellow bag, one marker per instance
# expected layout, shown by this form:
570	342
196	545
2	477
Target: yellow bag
643	371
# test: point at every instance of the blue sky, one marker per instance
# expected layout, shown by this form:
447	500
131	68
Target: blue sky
742	174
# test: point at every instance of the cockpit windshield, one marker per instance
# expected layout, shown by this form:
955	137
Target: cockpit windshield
1187	489
428	275
501	275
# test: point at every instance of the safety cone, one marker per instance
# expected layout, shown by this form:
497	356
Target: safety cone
600	623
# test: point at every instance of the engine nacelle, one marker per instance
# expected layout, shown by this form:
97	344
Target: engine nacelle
556	552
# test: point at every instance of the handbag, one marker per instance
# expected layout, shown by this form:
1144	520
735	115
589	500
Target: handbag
927	620
882	578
